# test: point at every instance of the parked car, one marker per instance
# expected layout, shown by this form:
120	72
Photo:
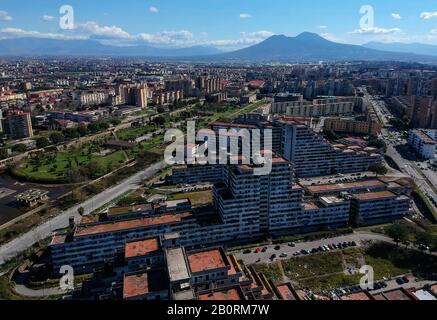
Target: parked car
264	249
277	248
273	256
247	251
284	255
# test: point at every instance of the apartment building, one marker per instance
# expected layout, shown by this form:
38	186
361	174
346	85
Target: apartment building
424	142
132	94
348	125
313	156
420	110
92	98
17	124
209	85
337	106
378	207
187	174
207	274
77	117
245	206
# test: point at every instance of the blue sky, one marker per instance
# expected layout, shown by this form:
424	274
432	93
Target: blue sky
227	24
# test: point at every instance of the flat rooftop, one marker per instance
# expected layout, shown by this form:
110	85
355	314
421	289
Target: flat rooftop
176	264
396	294
345	186
285	291
232	125
130	224
356	296
130	209
229	294
206	260
331	200
144	283
141	248
374	195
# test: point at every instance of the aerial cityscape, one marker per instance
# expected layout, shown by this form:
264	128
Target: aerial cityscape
172	151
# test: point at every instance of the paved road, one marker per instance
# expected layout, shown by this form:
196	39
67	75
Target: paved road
392	284
44	230
405	165
24	291
358	237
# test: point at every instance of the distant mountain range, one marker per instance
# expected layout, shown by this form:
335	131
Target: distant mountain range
417	48
306	47
312	47
53	47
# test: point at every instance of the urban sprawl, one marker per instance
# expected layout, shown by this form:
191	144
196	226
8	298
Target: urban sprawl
84	184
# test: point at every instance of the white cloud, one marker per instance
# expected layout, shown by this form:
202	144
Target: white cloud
375	30
108	32
245	15
8	33
245	39
182	37
153	10
331	37
4	15
323	27
48	18
428	15
396	16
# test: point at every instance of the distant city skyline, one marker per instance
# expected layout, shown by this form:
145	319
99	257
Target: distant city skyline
224	24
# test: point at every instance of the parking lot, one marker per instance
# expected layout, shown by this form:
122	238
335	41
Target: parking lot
265	254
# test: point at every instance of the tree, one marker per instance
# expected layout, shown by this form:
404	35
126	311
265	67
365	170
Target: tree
160	109
115	121
71	133
377	143
424	238
398	232
81	211
20	148
82	130
93	168
3	154
42	142
159	120
330	135
379	169
56	137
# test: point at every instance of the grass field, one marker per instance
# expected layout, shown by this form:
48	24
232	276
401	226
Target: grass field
271	270
134	132
326	271
55	166
196	198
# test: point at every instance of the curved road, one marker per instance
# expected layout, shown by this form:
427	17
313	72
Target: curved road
25	241
358	236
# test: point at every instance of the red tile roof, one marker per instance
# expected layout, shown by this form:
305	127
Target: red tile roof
231	294
135	285
141	248
345	186
206	260
130	224
374	195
